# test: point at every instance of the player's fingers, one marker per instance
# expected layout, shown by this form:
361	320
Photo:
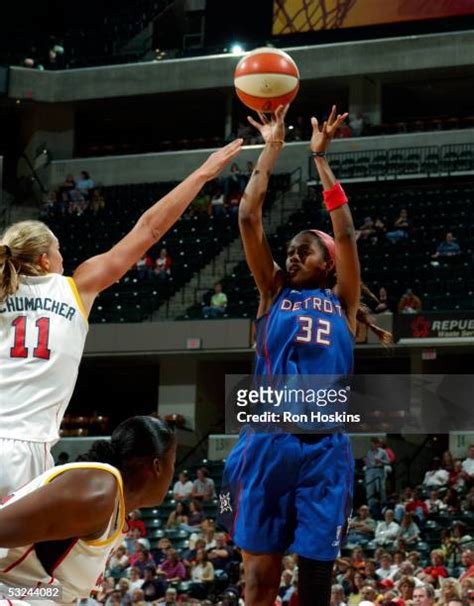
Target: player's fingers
314	123
332	115
285	109
279	112
254	123
233	147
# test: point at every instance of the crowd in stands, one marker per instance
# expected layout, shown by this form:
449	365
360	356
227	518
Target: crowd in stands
74	197
414	547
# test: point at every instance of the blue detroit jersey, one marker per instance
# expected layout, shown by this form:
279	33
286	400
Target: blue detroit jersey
304	333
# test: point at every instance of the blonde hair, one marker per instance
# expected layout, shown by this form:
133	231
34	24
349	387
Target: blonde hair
20	246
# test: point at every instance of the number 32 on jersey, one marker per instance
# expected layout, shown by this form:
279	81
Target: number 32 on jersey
313	330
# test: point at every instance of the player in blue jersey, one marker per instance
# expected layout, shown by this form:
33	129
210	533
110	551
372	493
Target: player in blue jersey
285	491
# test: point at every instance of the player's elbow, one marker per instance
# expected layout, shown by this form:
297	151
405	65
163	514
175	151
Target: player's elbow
152	230
345	234
249	219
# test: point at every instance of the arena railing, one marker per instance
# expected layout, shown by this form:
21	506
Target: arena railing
405	162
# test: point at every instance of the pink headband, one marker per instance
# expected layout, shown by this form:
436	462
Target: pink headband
328	242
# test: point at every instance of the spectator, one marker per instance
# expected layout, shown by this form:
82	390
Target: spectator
379	231
387	569
387	531
135	521
468	466
414	558
424	596
85	185
432	574
357	124
233	202
409	303
163	265
138	599
407	569
135	581
124	587
390	455
161	553
434	504
355	596
368	594
409	533
337	596
447	461
234	182
375	461
171	597
143	560
448	248
456	477
249	169
357	559
370	570
119	562
189	555
401	228
196	516
366	229
220	556
144	267
218	303
405	588
467	559
286	588
97	202
173	567
344	132
417	507
183	487
209	534
153	587
385	304
450	590
178	516
362	527
436	477
201	205
451	500
202	573
66	188
218	204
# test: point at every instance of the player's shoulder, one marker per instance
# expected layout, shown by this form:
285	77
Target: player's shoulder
97	483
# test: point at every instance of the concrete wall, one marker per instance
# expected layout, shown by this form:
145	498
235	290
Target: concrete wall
148	168
165	337
344	60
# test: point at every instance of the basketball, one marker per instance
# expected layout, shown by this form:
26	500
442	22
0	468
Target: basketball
266	78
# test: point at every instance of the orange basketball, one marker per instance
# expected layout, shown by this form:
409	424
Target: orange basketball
266	78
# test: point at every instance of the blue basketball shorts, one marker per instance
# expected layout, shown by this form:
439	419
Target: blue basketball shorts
282	492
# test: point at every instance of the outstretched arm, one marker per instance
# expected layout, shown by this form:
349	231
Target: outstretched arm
347	258
257	250
77	504
100	272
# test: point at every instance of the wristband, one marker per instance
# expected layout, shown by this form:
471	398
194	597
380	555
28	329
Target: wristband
279	141
334	197
318	154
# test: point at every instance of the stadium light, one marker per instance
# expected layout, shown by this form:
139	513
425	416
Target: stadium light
236	49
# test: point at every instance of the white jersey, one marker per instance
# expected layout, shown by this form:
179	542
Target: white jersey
43	329
74	565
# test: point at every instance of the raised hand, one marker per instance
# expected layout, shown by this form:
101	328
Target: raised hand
217	161
273	129
321	137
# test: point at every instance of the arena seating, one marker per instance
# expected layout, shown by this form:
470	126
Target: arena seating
434	207
192	243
